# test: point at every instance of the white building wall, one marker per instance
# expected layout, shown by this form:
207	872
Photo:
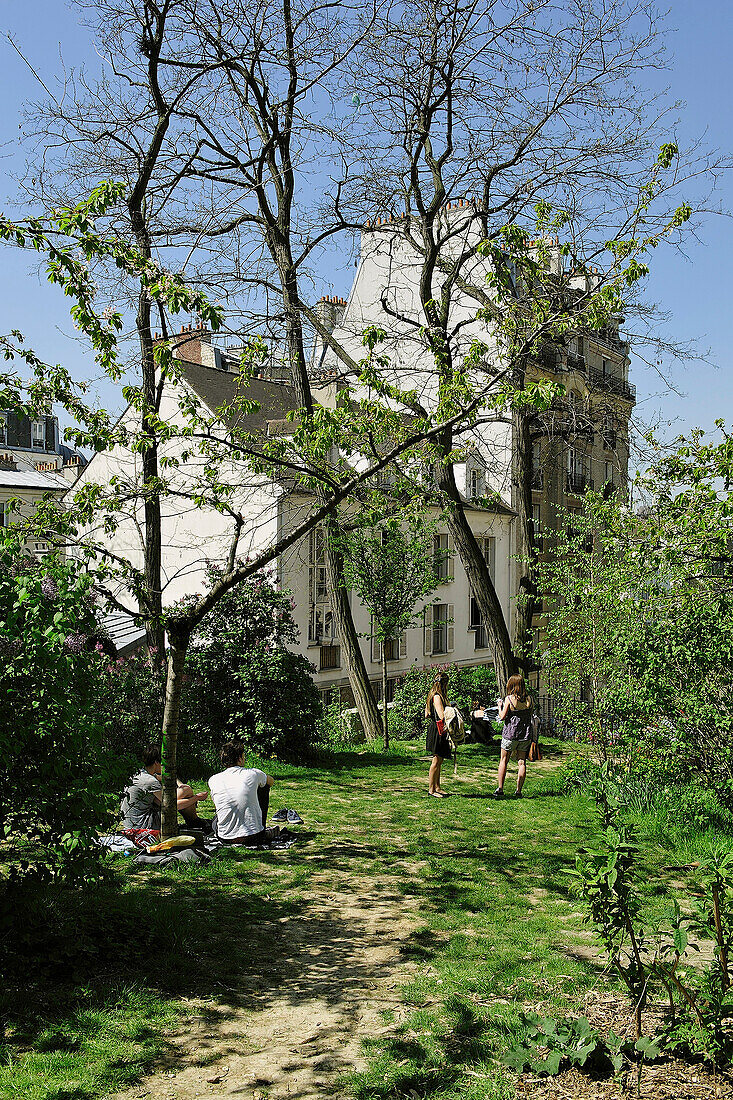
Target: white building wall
387	283
193	536
294	576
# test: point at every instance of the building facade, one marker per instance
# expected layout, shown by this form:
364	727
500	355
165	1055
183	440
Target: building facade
33	464
195	536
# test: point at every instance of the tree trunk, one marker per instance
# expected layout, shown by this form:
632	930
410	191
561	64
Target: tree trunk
349	641
479	579
153	538
522	472
384	696
178	647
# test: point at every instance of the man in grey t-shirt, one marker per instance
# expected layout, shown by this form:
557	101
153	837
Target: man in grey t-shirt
141	800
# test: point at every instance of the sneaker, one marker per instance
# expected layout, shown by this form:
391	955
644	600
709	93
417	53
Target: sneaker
294	818
517	794
281	815
498	793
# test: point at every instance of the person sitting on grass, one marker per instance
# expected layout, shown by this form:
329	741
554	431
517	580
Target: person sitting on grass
241	798
142	798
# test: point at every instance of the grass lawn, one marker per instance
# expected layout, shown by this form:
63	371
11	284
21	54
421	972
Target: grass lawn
474	908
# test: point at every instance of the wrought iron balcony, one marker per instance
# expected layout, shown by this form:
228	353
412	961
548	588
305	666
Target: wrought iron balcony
578	483
576	362
610	340
548	357
612	384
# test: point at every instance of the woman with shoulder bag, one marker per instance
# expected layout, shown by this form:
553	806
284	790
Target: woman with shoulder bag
436	738
516	714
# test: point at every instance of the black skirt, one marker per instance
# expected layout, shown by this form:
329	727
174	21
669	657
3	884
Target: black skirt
436	744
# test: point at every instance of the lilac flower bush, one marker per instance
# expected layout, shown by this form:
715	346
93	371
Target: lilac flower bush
52	774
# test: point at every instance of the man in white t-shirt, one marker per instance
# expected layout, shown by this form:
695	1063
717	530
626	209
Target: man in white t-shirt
241	799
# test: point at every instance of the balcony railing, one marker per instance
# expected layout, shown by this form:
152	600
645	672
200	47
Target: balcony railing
578	483
575	362
609	340
548	357
612	384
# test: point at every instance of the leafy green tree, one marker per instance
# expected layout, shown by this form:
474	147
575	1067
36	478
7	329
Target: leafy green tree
391	567
53	777
597	602
640	619
244	680
71	243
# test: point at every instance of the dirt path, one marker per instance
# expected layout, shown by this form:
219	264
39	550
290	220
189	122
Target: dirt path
292	1034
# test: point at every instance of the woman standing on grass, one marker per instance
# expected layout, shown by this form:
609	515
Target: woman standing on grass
516	714
437	743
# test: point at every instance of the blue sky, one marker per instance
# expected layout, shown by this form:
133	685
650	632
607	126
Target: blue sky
694	290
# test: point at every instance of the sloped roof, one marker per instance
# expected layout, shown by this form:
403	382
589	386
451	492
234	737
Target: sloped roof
33	479
218	388
124	631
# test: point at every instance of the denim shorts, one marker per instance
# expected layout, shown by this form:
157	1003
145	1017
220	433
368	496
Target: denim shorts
516	746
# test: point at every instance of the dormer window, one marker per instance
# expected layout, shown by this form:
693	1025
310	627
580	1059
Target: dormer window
3	428
475	483
38	434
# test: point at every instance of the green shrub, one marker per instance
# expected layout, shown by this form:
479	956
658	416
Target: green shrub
132	703
465	684
243	681
53	774
335	731
694	809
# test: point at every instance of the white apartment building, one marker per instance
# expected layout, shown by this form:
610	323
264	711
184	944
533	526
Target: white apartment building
196	535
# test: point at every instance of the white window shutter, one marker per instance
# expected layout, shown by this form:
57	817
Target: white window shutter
428	631
403	644
449	545
451	631
491	556
376	647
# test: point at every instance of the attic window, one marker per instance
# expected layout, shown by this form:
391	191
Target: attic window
38	434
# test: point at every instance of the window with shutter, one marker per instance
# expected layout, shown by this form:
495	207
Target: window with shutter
474	615
450	644
441	552
441	633
403	644
488	551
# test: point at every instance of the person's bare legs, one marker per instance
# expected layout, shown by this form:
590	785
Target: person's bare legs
521	772
501	774
434	775
188	804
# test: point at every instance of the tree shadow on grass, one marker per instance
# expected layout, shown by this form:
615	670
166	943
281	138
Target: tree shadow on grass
102	958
